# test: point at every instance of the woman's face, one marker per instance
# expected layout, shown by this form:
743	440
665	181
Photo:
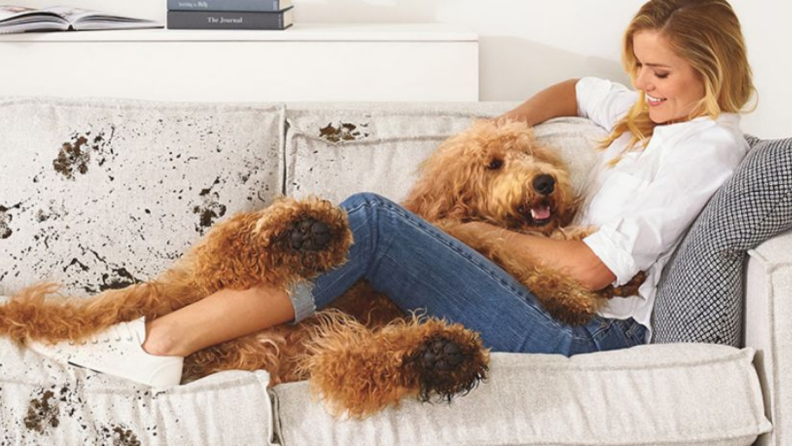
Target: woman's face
671	85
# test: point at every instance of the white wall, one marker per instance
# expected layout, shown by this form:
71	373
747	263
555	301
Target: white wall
526	45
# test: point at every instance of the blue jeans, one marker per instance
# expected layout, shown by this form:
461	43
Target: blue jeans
420	267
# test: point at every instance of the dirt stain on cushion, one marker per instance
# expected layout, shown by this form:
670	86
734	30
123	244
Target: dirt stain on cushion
5	221
117	279
119	435
43	413
211	209
73	157
344	132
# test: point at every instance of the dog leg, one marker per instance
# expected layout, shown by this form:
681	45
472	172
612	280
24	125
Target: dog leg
359	371
565	299
275	350
36	314
285	242
278	245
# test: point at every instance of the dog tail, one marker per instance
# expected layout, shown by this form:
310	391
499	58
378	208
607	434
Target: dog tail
40	312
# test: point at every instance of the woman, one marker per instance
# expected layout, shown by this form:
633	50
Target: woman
672	143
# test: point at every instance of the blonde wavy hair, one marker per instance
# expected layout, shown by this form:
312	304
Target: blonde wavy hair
707	34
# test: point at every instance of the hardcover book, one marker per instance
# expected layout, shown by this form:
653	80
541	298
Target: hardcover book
18	19
229	5
230	20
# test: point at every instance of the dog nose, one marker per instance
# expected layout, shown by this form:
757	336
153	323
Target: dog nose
544	184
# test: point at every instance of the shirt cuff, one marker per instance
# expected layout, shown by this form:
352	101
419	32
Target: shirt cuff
621	263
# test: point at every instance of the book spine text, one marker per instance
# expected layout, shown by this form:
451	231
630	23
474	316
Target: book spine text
227	20
228	5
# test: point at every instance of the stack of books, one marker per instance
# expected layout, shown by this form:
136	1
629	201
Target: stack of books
230	14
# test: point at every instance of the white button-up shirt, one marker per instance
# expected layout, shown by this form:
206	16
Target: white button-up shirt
643	205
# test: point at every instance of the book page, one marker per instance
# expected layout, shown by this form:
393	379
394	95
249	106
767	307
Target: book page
16	19
12	12
70	14
86	19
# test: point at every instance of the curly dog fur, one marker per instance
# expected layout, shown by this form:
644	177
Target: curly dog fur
356	356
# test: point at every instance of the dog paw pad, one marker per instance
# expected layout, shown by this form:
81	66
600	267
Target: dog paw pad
442	354
309	235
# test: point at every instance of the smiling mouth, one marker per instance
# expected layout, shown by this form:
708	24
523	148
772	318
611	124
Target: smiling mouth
653	101
539	214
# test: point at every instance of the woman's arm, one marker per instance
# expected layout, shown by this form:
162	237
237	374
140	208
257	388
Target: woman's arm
552	102
573	257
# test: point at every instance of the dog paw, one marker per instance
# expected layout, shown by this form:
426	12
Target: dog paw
309	234
288	241
303	237
440	355
627	290
446	366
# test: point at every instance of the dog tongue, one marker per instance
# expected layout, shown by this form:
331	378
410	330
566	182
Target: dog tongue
540	212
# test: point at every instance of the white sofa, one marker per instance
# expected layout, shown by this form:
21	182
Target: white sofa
97	194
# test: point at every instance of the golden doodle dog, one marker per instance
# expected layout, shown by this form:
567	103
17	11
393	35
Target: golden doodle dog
500	175
364	354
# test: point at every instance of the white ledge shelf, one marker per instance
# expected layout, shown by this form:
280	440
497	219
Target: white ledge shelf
408	32
306	63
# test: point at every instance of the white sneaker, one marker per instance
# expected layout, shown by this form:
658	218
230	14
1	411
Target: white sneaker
117	351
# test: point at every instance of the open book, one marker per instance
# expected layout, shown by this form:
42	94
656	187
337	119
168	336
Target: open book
18	19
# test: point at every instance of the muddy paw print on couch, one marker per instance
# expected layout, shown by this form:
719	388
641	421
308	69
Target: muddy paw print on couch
43	413
144	181
5	220
343	131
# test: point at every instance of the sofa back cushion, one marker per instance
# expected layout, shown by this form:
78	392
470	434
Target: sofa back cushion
334	152
700	297
101	194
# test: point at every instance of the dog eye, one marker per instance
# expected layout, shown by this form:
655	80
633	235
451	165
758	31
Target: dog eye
495	164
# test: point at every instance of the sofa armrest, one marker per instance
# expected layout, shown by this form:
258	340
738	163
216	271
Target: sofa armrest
768	330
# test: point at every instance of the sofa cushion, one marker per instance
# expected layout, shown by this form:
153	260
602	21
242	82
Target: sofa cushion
700	297
101	194
44	402
682	394
337	151
334	152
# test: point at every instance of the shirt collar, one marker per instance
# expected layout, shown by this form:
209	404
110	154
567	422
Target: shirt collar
725	119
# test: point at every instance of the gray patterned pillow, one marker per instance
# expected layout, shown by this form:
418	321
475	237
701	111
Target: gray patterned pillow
700	297
102	194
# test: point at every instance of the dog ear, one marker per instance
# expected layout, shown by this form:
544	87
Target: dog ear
442	190
433	199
